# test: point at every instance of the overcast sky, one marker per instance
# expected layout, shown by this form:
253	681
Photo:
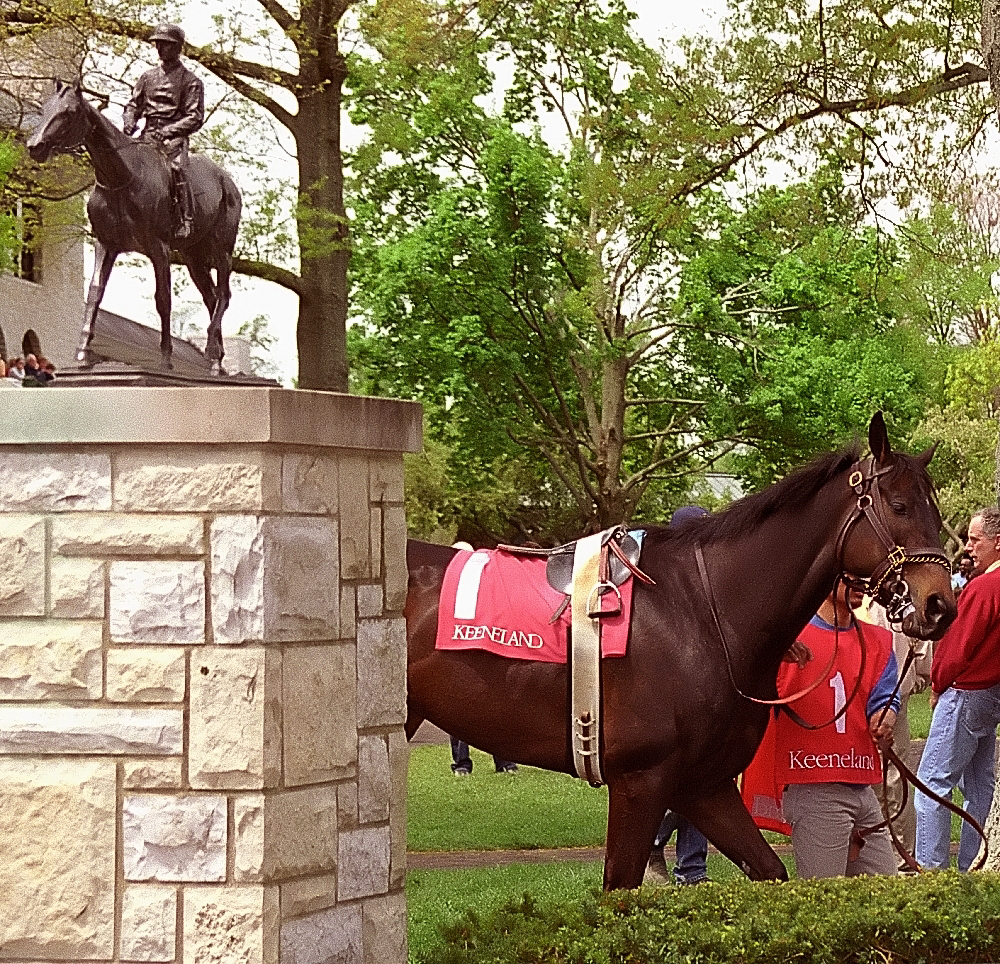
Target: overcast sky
130	291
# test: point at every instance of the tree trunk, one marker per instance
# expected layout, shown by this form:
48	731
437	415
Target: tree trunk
323	236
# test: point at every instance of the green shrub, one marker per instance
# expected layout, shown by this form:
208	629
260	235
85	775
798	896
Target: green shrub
944	918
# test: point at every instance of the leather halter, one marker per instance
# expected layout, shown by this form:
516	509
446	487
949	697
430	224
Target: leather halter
886	584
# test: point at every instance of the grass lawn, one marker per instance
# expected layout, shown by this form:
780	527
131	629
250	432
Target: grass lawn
528	810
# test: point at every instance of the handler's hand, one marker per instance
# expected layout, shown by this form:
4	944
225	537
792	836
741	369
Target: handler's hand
934	699
882	731
798	653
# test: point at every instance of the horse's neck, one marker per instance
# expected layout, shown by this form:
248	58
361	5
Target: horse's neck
107	148
787	565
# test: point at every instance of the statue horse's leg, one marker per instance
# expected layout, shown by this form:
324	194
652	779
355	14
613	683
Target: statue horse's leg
161	272
216	296
722	817
104	261
635	809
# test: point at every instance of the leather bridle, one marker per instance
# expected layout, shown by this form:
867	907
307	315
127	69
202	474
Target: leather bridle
886	584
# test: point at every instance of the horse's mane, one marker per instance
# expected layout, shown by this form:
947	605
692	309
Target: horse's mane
748	513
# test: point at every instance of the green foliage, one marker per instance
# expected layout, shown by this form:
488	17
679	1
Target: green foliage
8	225
944	917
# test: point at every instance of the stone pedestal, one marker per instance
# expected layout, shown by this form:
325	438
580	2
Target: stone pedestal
202	676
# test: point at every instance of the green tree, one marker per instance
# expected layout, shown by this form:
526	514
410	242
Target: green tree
9	156
526	283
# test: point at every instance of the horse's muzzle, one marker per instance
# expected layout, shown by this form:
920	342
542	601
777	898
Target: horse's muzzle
38	152
937	616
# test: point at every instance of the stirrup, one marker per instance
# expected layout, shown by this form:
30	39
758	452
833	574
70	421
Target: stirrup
183	230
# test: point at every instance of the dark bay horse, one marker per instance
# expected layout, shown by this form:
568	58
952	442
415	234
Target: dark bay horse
678	725
131	209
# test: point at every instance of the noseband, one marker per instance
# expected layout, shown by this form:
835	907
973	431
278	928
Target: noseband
886	584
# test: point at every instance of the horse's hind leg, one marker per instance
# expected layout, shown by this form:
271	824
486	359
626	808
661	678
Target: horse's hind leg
723	818
161	271
635	809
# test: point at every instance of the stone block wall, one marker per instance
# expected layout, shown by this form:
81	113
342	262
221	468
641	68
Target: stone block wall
202	676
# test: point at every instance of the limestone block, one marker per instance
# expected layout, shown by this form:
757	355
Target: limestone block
363	863
149	923
348	626
386	478
309	483
399	762
148	675
308	895
158	601
128	535
375	537
300	832
285	834
369	601
319	695
46	729
373	779
231	925
238	578
76	588
50	659
175	838
381	672
234	737
153	774
302	581
22	566
197	480
248	838
383	930
355	548
347	805
57	862
54	482
328	937
394	553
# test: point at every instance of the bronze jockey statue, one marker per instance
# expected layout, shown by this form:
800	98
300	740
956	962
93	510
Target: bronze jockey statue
172	101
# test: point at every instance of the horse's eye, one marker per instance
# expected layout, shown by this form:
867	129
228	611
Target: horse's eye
898	507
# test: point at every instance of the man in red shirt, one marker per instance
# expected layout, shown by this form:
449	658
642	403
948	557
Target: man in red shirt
814	774
965	694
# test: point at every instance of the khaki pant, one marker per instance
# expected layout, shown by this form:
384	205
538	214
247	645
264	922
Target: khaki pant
823	817
905	825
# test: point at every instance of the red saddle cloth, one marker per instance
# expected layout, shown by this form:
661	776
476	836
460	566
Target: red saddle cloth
501	602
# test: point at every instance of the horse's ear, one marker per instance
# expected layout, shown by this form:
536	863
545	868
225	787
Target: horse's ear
926	456
878	440
59	85
77	86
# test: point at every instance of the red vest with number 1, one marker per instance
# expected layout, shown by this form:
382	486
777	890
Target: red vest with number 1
841	752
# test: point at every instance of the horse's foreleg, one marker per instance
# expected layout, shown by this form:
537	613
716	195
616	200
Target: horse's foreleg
723	818
635	809
216	297
161	272
104	261
215	349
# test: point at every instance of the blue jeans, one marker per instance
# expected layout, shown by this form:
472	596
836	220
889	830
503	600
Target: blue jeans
960	749
692	848
461	761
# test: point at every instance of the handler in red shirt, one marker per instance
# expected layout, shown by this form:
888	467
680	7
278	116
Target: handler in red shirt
818	784
965	694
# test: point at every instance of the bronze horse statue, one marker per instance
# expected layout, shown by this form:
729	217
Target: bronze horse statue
131	209
732	592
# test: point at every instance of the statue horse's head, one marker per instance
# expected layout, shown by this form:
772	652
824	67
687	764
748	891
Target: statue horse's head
63	125
893	532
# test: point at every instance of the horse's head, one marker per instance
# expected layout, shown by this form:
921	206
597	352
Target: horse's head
893	534
63	124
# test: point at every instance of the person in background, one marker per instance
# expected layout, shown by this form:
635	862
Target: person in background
960	579
817	770
691	848
965	697
15	370
893	792
5	382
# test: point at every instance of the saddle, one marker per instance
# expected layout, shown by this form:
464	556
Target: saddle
619	559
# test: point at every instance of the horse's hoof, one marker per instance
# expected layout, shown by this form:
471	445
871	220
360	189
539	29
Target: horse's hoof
166	364
84	359
216	368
